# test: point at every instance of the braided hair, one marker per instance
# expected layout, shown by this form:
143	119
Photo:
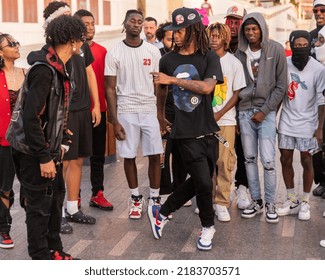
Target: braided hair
128	13
197	33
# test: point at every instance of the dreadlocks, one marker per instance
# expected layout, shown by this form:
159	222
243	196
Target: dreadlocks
224	32
197	33
128	13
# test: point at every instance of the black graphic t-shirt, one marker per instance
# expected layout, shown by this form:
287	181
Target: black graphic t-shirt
193	112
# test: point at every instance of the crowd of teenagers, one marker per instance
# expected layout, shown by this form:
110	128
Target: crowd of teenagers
201	99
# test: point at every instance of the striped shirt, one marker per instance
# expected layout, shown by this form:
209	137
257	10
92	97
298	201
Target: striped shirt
134	83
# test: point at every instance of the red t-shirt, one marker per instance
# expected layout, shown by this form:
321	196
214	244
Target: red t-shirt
99	53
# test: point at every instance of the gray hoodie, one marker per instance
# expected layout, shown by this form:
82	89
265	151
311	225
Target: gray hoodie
271	84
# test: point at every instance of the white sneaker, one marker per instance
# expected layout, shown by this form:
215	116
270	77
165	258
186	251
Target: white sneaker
197	211
322	243
222	213
304	212
135	209
205	240
242	199
289	207
188	203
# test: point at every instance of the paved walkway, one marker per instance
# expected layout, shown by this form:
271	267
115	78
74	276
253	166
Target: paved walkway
116	237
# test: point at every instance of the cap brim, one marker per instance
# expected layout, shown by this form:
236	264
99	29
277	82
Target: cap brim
172	28
234	16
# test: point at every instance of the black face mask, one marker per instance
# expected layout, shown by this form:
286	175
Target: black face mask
300	57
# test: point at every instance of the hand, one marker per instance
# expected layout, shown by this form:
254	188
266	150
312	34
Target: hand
48	169
160	78
237	129
319	136
119	132
258	117
165	125
96	116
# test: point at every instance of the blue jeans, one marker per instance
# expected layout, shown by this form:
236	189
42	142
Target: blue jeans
262	135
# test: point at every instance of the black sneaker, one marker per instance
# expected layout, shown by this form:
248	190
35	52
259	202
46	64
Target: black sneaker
80	218
270	214
6	241
319	190
61	256
256	207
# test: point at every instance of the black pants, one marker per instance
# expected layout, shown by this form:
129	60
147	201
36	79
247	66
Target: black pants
7	176
240	176
167	186
42	200
199	157
97	160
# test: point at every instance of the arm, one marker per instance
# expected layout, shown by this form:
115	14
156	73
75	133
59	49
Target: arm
162	92
281	84
111	97
200	87
319	131
35	104
96	116
231	103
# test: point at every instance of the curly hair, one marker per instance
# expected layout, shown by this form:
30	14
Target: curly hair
52	7
223	30
64	29
160	32
197	33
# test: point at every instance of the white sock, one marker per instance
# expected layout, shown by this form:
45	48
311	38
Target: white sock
153	192
305	197
291	194
72	207
135	191
63	212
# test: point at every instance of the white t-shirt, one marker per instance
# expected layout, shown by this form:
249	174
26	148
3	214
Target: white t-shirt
134	83
253	62
234	79
299	115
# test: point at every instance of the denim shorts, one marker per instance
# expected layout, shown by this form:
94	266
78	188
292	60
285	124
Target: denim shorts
301	144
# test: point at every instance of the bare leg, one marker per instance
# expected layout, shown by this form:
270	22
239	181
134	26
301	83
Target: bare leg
131	173
154	171
287	169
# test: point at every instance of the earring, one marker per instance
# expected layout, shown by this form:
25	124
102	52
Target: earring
74	49
1	59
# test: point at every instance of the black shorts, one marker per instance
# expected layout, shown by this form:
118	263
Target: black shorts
79	123
7	169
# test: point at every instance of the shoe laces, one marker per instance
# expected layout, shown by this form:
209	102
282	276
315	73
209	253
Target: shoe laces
304	206
207	233
270	208
137	202
100	198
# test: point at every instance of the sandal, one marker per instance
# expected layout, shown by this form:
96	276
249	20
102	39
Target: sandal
319	191
66	228
80	218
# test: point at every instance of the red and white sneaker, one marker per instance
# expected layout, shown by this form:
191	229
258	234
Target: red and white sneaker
100	202
6	241
137	202
61	256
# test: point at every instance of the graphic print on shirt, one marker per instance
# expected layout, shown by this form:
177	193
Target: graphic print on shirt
184	99
293	86
220	93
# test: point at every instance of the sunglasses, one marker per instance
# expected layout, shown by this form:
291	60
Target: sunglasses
12	44
322	10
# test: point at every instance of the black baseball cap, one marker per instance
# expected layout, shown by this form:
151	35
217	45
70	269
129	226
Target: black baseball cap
182	18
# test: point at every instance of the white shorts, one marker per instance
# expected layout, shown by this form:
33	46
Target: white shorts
140	127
